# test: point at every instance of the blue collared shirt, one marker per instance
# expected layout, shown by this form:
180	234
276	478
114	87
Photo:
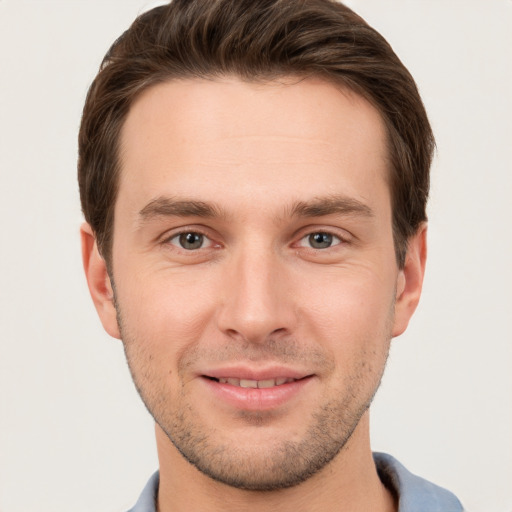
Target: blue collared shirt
414	494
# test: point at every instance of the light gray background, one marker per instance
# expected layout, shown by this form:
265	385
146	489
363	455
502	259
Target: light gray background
73	434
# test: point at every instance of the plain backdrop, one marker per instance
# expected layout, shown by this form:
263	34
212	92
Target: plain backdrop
74	435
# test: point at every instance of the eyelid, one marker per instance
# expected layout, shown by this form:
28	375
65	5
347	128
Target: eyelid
176	232
344	236
334	244
207	242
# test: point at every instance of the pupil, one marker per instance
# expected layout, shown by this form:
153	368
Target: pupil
191	240
320	240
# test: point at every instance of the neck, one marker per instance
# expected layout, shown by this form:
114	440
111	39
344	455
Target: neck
349	482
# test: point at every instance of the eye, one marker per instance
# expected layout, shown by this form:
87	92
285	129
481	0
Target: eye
320	240
190	240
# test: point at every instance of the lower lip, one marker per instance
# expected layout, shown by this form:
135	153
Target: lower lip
257	399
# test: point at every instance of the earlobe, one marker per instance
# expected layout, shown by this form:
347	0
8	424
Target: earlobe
410	280
98	281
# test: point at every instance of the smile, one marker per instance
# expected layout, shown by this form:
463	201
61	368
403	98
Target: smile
260	384
256	392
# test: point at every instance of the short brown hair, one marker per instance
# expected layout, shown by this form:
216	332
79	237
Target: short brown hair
254	40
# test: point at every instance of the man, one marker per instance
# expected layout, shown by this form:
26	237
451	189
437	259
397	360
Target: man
254	176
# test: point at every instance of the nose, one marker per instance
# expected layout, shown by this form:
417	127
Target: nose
257	299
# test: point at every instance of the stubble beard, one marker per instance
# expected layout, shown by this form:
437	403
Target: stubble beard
269	468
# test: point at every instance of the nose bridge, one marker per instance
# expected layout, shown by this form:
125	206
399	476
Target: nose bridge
257	302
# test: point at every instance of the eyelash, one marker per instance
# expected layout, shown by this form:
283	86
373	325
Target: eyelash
332	239
177	236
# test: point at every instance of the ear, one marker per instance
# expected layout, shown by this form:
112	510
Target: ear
410	280
98	280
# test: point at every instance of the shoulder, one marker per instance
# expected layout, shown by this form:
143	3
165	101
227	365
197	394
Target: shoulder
414	493
147	500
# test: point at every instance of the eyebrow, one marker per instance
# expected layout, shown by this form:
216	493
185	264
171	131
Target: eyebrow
318	207
334	204
170	207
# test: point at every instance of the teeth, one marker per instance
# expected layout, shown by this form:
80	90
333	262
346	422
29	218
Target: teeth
270	383
248	383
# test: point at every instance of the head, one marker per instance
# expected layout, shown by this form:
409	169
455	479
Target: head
254	177
257	42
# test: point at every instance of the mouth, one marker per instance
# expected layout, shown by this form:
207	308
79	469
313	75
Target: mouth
251	383
252	392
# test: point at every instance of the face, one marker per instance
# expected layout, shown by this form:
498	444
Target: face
256	284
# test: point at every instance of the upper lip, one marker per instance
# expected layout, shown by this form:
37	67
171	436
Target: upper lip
245	372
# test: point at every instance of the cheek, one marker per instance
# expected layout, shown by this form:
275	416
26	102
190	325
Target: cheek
163	315
350	312
349	294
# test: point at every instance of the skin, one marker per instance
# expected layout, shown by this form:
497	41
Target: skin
255	171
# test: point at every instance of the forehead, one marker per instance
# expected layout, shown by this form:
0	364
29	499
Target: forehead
218	136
